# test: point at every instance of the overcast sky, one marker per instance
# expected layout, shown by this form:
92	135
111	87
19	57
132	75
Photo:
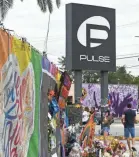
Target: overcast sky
28	21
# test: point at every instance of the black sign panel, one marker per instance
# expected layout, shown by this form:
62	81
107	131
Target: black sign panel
90	38
74	114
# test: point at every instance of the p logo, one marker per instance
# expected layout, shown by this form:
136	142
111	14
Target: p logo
93	31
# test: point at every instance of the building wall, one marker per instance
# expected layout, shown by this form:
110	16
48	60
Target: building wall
119	96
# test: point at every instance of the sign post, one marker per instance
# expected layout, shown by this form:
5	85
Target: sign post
90	42
78	85
104	91
90	38
104	85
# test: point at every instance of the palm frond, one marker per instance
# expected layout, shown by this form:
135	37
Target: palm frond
5	5
43	5
50	5
58	2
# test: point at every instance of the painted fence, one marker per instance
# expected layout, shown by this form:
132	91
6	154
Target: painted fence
119	96
20	86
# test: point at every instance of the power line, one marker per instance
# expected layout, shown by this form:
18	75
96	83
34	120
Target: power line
128	24
127	57
133	66
63	39
57	37
128	45
61	36
129	54
129	67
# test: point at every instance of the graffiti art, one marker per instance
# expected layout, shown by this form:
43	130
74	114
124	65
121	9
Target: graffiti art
119	96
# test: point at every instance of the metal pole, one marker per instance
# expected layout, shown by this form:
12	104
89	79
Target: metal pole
104	90
78	84
48	29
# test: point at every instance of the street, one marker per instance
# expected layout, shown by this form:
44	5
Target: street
117	129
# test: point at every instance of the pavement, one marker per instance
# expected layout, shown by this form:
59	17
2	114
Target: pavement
117	129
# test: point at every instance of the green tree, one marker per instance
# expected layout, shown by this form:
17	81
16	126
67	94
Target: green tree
90	77
136	80
123	77
5	5
62	63
112	78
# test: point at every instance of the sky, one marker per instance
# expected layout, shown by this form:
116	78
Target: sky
26	19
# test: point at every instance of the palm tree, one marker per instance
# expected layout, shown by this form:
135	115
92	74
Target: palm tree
5	5
62	61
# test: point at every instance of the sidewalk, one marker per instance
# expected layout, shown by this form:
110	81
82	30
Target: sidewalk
117	129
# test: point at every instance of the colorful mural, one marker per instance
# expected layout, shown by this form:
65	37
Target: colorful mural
20	88
119	96
17	100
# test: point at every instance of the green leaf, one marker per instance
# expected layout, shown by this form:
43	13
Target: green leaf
58	2
5	5
50	5
43	5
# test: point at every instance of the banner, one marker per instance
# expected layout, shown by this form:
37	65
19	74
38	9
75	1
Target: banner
34	141
17	97
25	76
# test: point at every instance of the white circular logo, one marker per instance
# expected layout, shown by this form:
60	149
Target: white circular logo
93	31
